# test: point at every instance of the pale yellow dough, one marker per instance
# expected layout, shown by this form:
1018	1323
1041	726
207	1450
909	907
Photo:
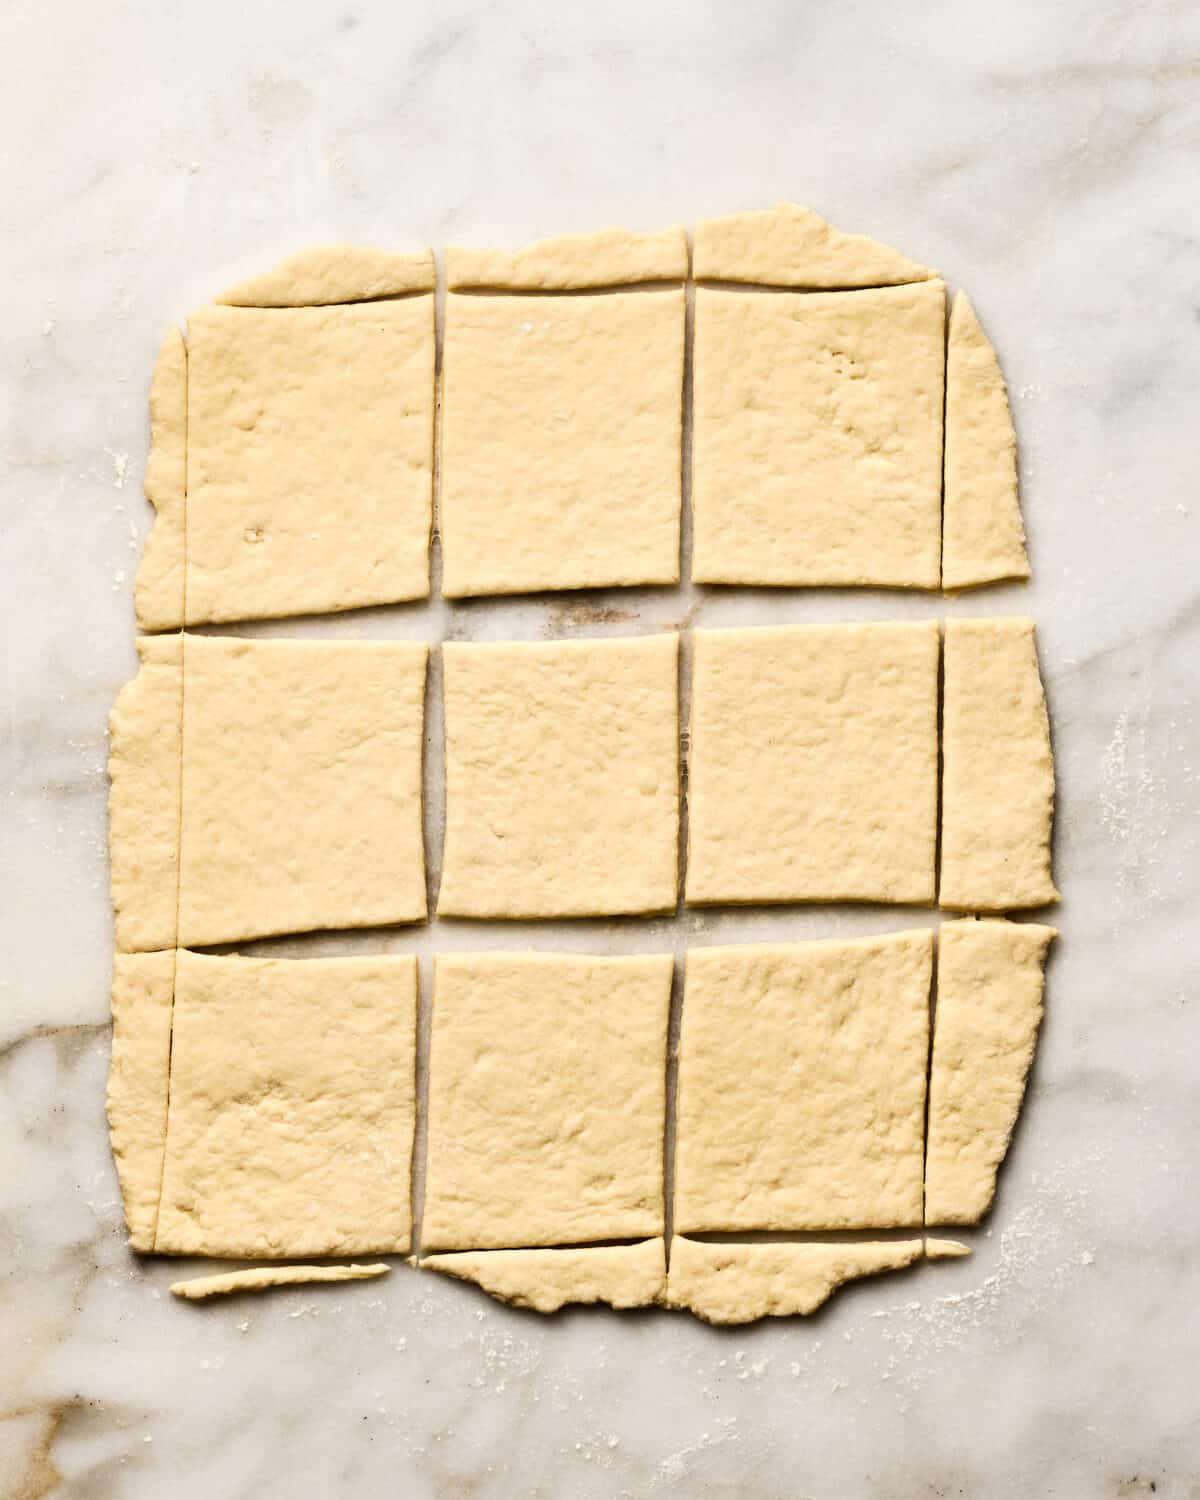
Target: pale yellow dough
547	1083
142	992
997	770
983	538
545	1280
812	768
802	1085
290	1123
158	591
562	784
561	441
328	274
818	437
262	1278
611	257
792	246
989	1007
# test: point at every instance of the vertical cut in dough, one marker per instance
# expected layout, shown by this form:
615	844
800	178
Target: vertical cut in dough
610	257
818	437
983	538
792	246
731	1283
801	1100
291	1114
262	1278
812	768
562	778
329	274
310	458
989	1007
545	1280
143	988
301	787
145	738
561	441
159	590
547	1084
997	770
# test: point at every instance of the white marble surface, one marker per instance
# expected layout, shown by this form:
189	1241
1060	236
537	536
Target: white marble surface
1044	156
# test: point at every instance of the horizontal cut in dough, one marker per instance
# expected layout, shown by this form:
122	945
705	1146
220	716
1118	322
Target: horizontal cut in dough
801	1101
812	768
262	1278
545	1280
997	770
792	246
731	1283
983	538
142	992
547	1080
290	1123
328	274
562	778
989	1007
818	437
611	257
561	442
158	592
310	458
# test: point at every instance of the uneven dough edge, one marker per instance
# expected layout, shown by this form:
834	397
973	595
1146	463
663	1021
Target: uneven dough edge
609	257
261	1278
622	1276
142	995
326	275
159	587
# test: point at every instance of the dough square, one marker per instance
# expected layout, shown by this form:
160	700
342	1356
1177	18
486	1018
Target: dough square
301	787
818	436
310	458
812	767
561	441
547	1084
291	1107
562	778
802	1085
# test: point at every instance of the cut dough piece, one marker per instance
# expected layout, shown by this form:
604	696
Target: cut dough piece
945	1249
547	1082
792	246
812	769
545	1280
143	807
611	257
997	770
983	538
561	442
729	1283
158	592
562	778
261	1278
143	989
818	437
302	787
329	274
989	1007
290	1124
801	1100
310	458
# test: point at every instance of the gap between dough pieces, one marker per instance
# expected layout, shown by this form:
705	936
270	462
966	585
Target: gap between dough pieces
261	1278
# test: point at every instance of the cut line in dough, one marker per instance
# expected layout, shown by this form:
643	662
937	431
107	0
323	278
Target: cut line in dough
159	588
609	257
330	274
142	994
544	1280
262	1278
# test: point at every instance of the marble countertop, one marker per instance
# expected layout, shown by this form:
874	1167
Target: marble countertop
1043	156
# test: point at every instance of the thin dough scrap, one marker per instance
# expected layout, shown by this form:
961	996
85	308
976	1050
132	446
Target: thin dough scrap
261	1278
545	1280
142	994
983	537
329	274
945	1249
989	1007
609	257
997	770
159	590
792	246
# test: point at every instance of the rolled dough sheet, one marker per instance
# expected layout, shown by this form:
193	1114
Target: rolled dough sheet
997	770
262	1278
792	246
290	1121
983	538
547	1083
158	591
611	257
562	778
142	992
812	767
801	1100
545	1280
329	274
731	1283
818	437
989	1007
561	441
